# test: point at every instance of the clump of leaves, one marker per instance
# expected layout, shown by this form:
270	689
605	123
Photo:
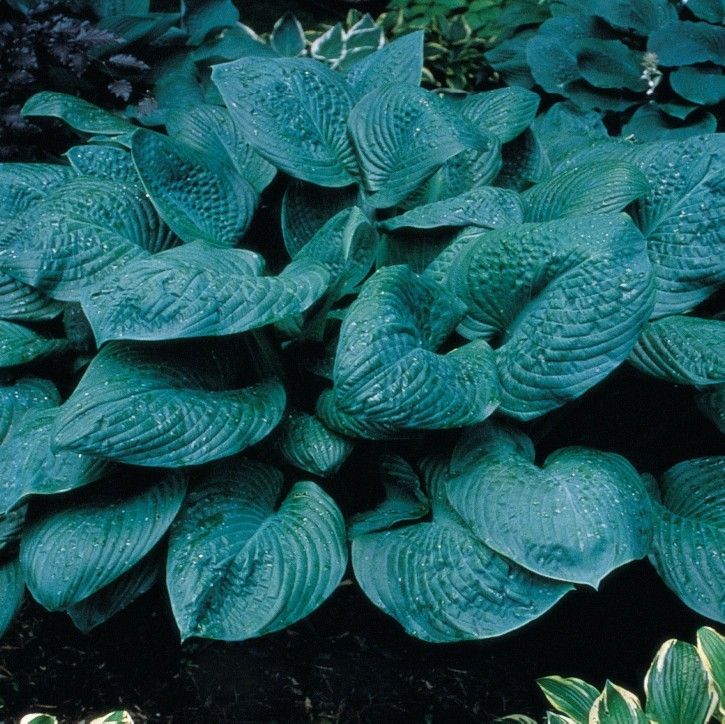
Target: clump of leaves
685	683
442	274
654	66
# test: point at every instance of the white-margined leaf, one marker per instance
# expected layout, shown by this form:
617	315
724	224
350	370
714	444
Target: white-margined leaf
711	649
241	564
574	697
616	705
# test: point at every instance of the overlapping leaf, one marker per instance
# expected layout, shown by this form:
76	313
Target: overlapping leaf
12	588
506	112
388	377
69	553
196	291
104	161
574	697
24	184
567	297
293	111
20	345
683	350
166	407
239	566
616	705
688	547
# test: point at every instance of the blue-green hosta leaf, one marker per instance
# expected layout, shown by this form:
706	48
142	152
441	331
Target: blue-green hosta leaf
305	442
580	516
704	86
83	231
487	207
25	395
682	42
104	161
77	113
24	184
197	291
203	17
683	350
404	499
609	64
329	47
616	705
711	10
288	37
489	441
163	407
306	208
29	466
658	123
213	133
508	58
200	198
142	28
643	17
688	546
711	648
20	345
506	112
400	60
712	405
21	302
523	162
104	8
239	566
293	111
569	297
117	595
402	134
683	218
412	247
388	376
594	188
443	585
69	553
678	687
574	697
12	588
11	527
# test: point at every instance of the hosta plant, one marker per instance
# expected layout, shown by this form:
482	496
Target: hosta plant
208	327
654	65
685	684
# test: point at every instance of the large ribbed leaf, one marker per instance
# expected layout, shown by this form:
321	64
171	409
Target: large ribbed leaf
21	302
402	134
77	113
568	298
102	605
196	291
103	161
682	42
213	133
688	546
239	566
71	552
20	345
400	60
616	705
293	111
24	184
12	587
166	407
506	112
580	516
404	499
683	218
683	350
487	207
305	442
200	197
443	585
25	395
81	232
677	686
28	465
574	697
306	208
388	376
594	188
711	648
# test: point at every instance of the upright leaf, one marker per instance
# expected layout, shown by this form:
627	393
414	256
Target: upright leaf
616	705
12	588
571	696
711	649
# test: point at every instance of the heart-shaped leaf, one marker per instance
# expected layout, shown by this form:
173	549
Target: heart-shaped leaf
239	566
167	407
69	553
293	111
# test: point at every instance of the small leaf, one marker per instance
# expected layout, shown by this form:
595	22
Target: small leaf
164	408
239	567
571	696
683	350
71	552
616	705
12	589
293	111
201	18
711	649
77	113
288	37
677	686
